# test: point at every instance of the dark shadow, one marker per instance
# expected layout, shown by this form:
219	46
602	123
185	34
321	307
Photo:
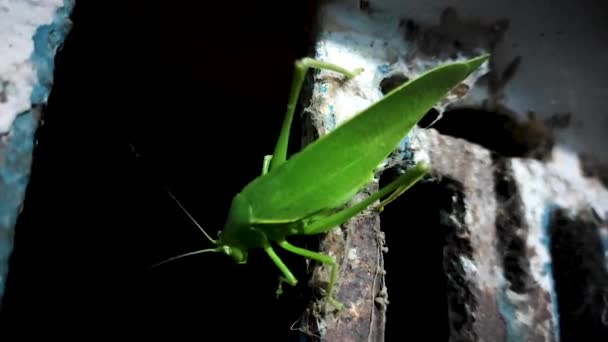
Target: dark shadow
511	228
422	243
581	279
497	132
200	89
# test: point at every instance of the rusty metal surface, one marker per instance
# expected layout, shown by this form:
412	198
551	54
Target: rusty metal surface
358	247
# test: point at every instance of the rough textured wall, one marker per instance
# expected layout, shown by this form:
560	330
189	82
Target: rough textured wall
504	157
30	34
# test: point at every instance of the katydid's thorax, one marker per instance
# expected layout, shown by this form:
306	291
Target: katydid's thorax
243	230
239	231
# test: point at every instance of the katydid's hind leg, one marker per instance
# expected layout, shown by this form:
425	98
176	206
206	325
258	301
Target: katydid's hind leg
410	177
322	258
287	277
391	198
398	186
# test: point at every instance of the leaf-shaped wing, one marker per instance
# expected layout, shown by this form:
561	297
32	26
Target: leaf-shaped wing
328	172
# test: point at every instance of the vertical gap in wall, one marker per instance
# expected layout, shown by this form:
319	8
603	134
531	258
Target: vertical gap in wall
581	280
511	229
425	280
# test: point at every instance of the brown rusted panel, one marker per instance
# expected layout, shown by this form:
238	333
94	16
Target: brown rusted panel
358	248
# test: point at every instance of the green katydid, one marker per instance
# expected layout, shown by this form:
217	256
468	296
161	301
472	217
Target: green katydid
306	194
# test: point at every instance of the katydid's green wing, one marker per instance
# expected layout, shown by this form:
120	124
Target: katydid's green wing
328	172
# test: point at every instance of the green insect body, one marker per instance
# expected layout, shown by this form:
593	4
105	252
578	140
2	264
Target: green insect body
306	194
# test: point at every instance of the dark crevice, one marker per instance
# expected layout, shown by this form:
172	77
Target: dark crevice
594	168
391	82
423	241
428	118
96	217
580	276
498	132
510	227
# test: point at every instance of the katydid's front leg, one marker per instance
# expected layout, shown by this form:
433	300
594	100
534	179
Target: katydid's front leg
266	165
301	67
287	277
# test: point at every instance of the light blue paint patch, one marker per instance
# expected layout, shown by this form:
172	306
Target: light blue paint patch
507	311
545	225
14	177
383	69
546	270
329	119
404	147
16	166
323	87
47	40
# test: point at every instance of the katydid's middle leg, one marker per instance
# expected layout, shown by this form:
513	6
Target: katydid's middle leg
323	258
398	186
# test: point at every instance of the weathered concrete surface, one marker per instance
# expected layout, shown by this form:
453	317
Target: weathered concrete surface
30	34
501	243
471	166
499	258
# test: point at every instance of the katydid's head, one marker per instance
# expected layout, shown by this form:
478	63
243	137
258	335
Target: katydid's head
229	249
237	254
223	243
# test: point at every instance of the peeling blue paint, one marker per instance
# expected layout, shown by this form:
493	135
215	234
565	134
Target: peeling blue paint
16	166
404	147
545	225
46	41
507	311
383	69
14	176
323	87
507	308
329	120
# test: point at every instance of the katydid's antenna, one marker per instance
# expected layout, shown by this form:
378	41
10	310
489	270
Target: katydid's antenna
187	254
191	218
138	156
